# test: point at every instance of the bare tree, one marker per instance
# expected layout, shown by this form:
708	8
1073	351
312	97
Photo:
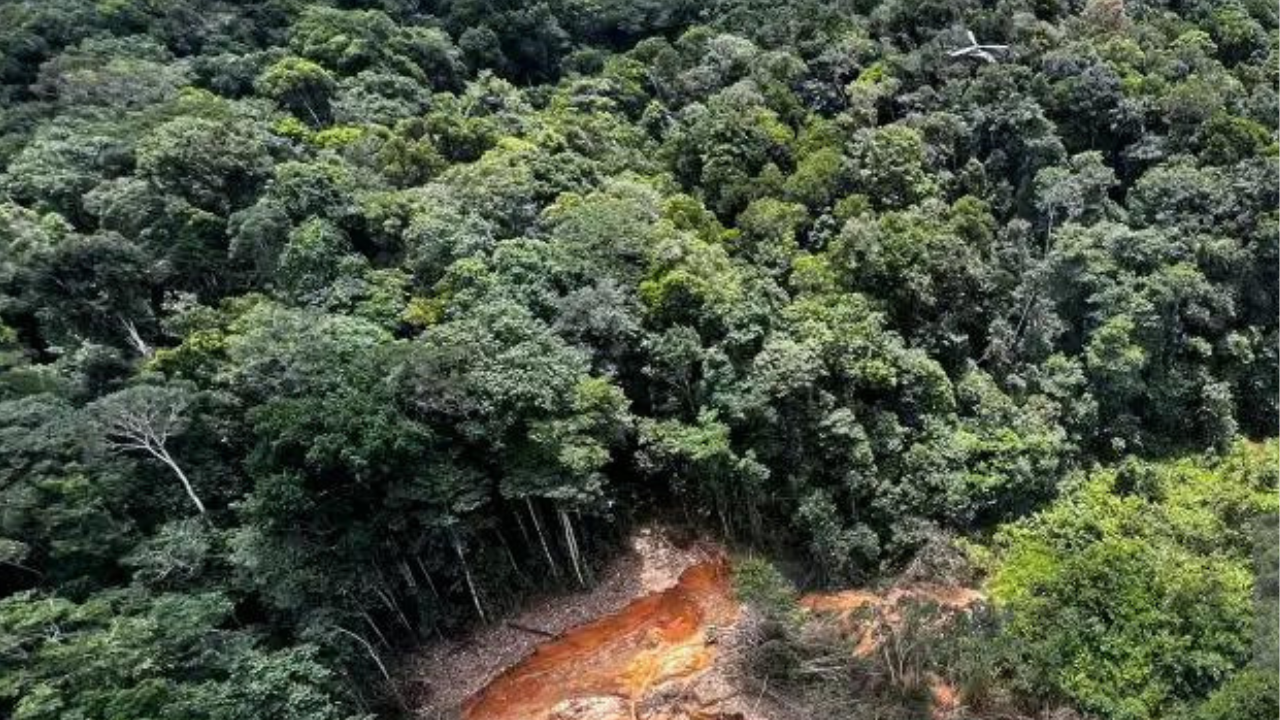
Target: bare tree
135	338
145	418
977	50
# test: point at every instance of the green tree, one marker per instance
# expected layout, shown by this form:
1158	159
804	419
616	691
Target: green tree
164	657
301	86
1132	592
888	166
215	164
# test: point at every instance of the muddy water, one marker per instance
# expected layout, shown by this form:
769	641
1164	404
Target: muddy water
662	638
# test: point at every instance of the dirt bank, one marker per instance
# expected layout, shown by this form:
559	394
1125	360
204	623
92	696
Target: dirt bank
867	614
662	638
445	674
867	618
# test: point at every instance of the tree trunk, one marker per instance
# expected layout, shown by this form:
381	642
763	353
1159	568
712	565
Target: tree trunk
530	630
546	550
524	531
368	648
407	574
586	566
135	339
466	573
393	606
382	668
191	492
510	555
374	626
571	544
306	102
431	585
435	594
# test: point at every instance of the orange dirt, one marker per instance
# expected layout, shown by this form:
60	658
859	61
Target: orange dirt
945	697
657	639
867	615
848	601
885	608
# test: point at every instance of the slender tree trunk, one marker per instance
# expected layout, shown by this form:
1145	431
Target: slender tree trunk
510	555
368	648
373	654
753	515
466	573
537	525
586	566
524	531
20	566
386	592
393	606
361	702
135	339
431	585
1034	290
571	544
719	502
407	574
374	626
306	102
163	455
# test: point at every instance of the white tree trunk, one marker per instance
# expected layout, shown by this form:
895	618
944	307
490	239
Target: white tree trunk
368	648
373	654
431	585
374	626
572	544
394	607
537	526
135	339
407	574
466	573
511	557
163	455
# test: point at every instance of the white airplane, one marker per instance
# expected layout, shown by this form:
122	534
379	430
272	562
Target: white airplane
982	52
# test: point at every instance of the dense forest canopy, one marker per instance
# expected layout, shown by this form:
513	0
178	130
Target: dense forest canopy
326	328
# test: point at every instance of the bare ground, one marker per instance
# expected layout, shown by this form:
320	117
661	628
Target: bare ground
445	673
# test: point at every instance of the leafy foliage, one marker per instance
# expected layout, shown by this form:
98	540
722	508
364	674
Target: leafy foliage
430	299
1133	592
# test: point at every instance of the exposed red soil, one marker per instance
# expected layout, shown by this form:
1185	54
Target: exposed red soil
661	638
884	610
661	657
448	672
867	617
945	698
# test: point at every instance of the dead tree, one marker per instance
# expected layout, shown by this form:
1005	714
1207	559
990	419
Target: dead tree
145	418
135	339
